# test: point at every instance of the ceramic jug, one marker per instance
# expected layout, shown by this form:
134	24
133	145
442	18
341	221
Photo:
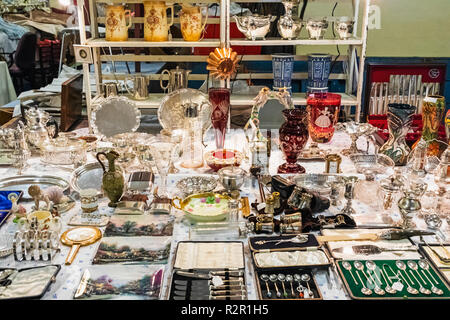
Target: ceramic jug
191	22
112	181
156	27
115	23
178	79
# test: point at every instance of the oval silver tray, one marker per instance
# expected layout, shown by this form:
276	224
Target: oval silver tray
171	110
22	183
89	176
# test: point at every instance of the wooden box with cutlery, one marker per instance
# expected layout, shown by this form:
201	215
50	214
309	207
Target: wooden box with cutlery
283	266
208	270
392	279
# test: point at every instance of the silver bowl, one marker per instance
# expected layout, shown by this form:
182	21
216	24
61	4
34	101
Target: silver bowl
378	164
316	28
232	178
316	182
199	184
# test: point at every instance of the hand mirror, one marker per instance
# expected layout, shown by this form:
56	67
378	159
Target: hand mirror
77	237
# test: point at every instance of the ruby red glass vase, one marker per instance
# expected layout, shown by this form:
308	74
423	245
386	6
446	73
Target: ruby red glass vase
220	101
323	112
293	137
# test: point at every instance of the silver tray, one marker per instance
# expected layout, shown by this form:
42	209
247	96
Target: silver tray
115	115
22	183
89	176
171	111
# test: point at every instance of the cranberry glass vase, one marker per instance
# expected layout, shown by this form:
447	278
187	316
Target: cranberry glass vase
293	137
220	101
323	111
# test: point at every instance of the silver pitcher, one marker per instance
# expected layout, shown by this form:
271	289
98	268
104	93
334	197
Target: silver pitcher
316	28
39	128
140	87
287	26
344	27
254	26
178	79
108	89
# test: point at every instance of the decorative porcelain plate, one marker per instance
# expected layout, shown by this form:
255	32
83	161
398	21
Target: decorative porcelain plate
115	115
171	110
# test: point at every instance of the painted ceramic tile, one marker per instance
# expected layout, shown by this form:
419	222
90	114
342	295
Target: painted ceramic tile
139	225
112	282
133	250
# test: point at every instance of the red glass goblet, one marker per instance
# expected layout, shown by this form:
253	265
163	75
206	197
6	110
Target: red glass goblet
323	111
293	137
220	101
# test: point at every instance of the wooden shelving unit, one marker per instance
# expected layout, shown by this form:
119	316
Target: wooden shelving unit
98	45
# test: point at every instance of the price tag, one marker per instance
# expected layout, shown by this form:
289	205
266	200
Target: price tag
216	281
261	206
397	286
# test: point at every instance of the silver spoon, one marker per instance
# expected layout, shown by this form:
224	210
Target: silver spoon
366	291
305	277
265	278
300	288
372	267
413	265
422	289
282	279
388	287
274	279
290	279
300	238
348	267
401	265
358	265
424	265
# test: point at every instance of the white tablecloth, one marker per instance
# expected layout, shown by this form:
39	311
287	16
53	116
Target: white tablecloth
69	276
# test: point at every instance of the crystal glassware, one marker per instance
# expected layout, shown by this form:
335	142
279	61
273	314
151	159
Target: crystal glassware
355	130
349	193
293	135
323	111
220	101
162	156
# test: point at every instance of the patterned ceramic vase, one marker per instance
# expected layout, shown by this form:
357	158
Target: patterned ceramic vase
399	118
318	70
115	23
433	109
283	67
323	111
191	22
156	27
293	137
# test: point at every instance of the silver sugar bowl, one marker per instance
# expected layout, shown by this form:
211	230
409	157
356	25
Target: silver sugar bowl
316	28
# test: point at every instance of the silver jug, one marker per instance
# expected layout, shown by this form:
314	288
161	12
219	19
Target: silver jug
287	26
140	87
108	89
39	128
178	79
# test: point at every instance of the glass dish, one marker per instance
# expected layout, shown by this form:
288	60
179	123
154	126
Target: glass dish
64	151
316	182
378	164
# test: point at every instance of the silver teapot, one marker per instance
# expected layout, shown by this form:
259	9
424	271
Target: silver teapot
254	26
40	128
178	79
287	26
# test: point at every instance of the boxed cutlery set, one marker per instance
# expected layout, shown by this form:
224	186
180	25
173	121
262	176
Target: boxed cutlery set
284	264
208	271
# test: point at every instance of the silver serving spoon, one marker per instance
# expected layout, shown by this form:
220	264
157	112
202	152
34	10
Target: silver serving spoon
425	266
402	266
388	287
422	289
274	279
305	277
348	267
290	279
282	279
300	238
264	277
372	267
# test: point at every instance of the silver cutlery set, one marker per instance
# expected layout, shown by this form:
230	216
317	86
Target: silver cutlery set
213	285
286	286
413	276
401	88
